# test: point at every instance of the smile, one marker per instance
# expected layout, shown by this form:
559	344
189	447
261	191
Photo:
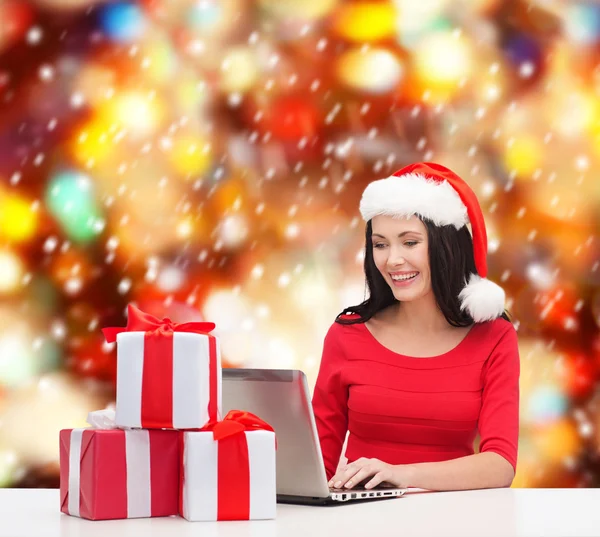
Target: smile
404	277
404	280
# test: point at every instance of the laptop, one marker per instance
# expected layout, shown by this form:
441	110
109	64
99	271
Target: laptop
281	398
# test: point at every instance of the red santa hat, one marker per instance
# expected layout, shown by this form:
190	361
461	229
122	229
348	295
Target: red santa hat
434	192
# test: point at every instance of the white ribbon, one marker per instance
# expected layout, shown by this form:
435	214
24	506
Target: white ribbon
74	467
102	419
137	460
137	456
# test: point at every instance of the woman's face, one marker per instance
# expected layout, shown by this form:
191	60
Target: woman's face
400	252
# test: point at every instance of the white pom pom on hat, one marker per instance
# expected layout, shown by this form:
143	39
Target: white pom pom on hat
434	192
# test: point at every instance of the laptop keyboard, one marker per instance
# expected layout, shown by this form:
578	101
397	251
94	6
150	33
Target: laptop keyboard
361	488
358	488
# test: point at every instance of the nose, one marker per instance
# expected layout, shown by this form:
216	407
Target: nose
395	259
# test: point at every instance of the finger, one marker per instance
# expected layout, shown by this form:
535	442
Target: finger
337	480
344	476
377	479
339	477
360	476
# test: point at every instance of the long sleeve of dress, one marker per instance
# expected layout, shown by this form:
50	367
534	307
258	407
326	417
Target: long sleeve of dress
499	417
330	401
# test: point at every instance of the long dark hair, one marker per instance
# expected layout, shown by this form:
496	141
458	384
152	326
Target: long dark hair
451	263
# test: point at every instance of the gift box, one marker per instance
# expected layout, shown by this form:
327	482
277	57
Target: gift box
113	473
168	374
228	471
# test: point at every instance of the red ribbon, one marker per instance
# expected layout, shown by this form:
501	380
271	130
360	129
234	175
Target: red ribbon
157	375
236	422
139	321
181	442
233	462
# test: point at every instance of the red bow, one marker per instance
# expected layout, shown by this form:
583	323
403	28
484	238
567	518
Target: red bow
236	422
139	321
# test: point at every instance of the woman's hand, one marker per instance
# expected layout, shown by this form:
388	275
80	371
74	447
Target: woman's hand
362	469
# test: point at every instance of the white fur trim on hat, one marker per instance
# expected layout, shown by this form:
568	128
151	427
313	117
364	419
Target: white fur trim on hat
412	194
482	298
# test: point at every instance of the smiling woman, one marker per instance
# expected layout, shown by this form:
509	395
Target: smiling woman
429	360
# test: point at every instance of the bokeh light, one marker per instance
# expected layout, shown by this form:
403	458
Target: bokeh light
240	70
582	23
558	441
443	61
16	16
58	403
11	271
9	466
23	354
71	200
190	154
18	218
373	71
366	21
523	155
138	114
95	142
305	10
122	21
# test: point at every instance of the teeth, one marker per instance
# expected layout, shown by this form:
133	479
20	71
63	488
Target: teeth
407	277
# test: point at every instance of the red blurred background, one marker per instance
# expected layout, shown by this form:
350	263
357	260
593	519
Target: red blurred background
204	160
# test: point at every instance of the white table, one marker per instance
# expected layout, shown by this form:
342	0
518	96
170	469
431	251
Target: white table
495	512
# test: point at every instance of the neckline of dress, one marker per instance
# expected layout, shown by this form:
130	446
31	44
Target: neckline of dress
437	356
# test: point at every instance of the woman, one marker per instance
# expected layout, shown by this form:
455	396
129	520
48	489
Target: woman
430	359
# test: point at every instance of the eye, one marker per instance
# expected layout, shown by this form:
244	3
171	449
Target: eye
379	246
410	244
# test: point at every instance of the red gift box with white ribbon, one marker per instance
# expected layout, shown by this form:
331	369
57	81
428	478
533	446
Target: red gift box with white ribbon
228	470
168	374
112	473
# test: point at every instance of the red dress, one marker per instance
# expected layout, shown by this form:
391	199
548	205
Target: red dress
401	409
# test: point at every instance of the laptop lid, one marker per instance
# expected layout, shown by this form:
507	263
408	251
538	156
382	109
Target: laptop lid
281	398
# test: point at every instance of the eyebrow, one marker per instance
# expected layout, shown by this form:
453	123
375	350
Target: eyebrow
399	235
